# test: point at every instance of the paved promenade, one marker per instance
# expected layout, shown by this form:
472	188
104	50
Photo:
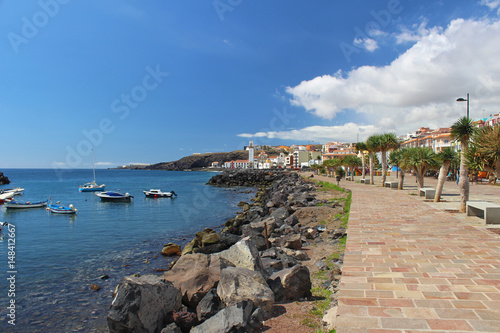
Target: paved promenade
417	266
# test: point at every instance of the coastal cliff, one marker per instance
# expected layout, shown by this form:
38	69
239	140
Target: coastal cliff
3	179
199	161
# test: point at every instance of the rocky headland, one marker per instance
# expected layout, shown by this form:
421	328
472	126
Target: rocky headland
199	161
284	244
3	179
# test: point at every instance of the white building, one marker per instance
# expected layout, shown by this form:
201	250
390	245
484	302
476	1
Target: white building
237	164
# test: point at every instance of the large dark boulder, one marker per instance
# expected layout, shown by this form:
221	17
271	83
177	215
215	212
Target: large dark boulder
296	282
195	274
234	318
243	254
206	238
280	214
171	328
141	304
240	284
185	320
209	305
3	179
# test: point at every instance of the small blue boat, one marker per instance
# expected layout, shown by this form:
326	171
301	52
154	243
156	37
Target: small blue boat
58	209
91	187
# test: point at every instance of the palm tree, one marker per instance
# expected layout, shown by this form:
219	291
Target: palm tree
351	162
462	131
373	146
388	141
332	165
446	157
361	147
315	168
485	149
421	159
398	158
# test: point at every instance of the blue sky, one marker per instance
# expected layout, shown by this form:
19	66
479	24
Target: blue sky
152	81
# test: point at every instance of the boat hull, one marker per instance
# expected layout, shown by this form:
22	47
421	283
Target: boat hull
21	205
156	195
128	199
5	196
114	197
92	189
13	191
57	209
63	211
159	194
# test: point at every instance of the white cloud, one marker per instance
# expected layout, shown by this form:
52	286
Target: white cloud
366	43
105	164
415	33
492	4
255	135
420	87
347	132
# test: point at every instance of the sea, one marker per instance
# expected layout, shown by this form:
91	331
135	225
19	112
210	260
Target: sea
48	262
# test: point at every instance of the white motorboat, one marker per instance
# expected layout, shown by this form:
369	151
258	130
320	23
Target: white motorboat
5	196
159	194
114	196
15	190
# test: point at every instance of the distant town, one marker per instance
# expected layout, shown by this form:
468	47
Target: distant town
300	156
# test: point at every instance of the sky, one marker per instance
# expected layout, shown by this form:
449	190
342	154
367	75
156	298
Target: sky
153	81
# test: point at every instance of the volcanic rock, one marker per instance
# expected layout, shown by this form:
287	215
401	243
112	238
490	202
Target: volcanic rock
141	304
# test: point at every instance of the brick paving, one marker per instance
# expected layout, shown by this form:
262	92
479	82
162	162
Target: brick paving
414	266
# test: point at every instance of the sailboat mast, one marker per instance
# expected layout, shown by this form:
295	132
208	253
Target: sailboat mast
93	167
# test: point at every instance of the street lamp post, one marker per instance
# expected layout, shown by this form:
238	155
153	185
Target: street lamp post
465	100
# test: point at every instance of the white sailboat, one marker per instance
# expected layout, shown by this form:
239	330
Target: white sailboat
92	186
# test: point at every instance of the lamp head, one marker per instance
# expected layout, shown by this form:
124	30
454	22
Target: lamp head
461	99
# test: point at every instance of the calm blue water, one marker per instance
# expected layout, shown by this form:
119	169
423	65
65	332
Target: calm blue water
58	256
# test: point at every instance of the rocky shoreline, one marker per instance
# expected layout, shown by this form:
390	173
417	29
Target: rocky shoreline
231	281
3	179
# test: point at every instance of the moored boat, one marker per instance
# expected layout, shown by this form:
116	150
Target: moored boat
92	186
114	196
58	209
159	194
26	204
6	196
15	190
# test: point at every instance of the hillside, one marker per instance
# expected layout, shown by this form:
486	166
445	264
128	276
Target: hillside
199	161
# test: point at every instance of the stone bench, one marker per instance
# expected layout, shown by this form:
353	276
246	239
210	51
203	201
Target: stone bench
489	211
428	192
365	181
391	184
